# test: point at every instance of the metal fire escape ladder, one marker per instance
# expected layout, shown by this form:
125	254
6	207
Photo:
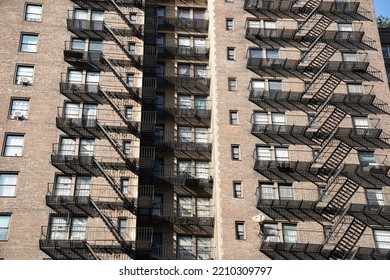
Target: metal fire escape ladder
315	33
133	130
91	251
340	199
118	10
328	128
133	95
348	241
136	63
308	10
333	162
319	63
124	244
129	205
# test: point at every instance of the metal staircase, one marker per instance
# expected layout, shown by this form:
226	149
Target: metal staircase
348	240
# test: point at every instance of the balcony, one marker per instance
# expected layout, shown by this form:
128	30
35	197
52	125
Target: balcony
99	30
273	9
166	252
193	146
304	166
64	200
344	70
283	37
196	175
99	60
105	4
310	245
98	126
94	243
197	84
107	87
369	138
183	24
93	160
172	49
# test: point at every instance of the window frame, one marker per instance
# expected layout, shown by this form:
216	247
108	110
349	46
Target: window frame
235	152
12	187
240	230
6	228
237	189
19	148
230	53
25	14
232	84
24	112
232	120
35	44
24	80
229	24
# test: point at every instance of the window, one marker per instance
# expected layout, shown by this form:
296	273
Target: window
62	186
355	88
229	24
29	43
184	206
285	191
233	117
77	44
267	191
133	18
184	134
200	103
13	145
122	227
200	71
19	108
229	1
260	118
237	189
349	57
125	185
366	158
4	226
230	54
232	84
131	47
253	23
263	153
312	122
361	125
270	232
322	194
317	157
24	75
203	248
86	147
67	146
130	80
201	135
129	112
127	147
269	28
240	230
8	184
374	197
184	247
184	70
235	152
257	87
83	186
202	169
381	238
33	13
184	101
290	234
281	154
386	51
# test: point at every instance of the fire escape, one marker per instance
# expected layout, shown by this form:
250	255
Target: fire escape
326	109
181	215
102	122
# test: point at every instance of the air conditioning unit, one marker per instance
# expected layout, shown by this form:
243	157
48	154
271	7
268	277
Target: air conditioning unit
25	81
272	239
18	115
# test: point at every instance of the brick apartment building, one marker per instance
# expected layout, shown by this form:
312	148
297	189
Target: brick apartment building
193	129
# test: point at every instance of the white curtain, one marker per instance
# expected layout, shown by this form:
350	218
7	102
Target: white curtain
260	118
184	134
97	16
184	41
203	207
281	154
86	147
75	77
269	24
90	113
202	169
20	106
360	122
346	27
14	145
382	239
78	229
93	77
63	186
4	225
33	12
80	14
8	184
29	43
267	191
355	88
254	24
290	234
270	232
200	71
58	228
278	118
263	153
83	186
67	146
72	110
184	102
183	70
285	191
184	168
201	135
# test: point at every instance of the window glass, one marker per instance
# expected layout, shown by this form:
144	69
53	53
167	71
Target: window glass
8	184
14	145
29	43
33	13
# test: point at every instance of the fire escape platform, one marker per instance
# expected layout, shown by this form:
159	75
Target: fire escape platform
306	251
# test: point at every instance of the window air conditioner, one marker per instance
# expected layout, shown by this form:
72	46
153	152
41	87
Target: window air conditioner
18	115
25	81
